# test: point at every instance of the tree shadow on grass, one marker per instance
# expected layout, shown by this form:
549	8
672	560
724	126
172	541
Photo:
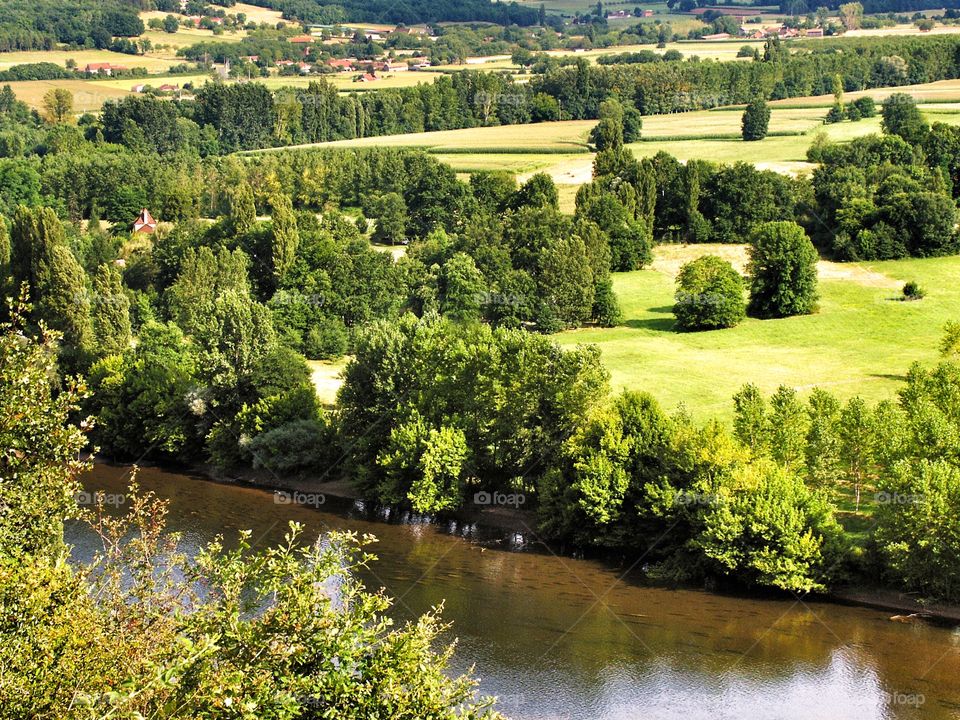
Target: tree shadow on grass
887	376
665	323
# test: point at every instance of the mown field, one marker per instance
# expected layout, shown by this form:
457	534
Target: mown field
861	342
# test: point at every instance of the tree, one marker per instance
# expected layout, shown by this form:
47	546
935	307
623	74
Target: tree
392	219
170	24
709	295
917	518
111	312
241	210
284	236
902	117
783	271
58	105
755	120
851	15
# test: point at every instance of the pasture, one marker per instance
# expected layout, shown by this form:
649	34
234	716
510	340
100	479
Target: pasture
861	342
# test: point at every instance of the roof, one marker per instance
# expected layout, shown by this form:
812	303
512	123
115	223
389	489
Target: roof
302	39
145	222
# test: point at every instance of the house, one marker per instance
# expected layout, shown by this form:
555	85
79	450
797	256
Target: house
717	36
102	69
305	67
366	77
251	58
145	223
302	40
815	32
420	64
168	88
340	65
372	35
646	13
619	15
138	88
284	63
396	67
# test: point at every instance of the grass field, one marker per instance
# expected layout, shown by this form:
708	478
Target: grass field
88	96
861	342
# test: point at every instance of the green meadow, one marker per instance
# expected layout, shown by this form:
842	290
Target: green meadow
861	342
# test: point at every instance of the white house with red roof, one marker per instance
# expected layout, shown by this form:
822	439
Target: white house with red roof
145	223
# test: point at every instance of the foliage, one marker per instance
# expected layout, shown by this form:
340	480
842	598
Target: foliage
756	120
709	295
783	271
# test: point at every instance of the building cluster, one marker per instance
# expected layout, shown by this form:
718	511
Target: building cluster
780	31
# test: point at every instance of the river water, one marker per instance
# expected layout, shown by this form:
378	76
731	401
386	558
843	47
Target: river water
555	637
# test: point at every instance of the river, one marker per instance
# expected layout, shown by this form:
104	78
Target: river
555	637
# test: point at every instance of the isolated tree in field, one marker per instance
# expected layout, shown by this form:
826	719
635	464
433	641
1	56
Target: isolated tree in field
58	105
851	15
709	295
756	119
170	24
783	271
901	117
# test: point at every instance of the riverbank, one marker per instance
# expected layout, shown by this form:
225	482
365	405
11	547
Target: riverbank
904	607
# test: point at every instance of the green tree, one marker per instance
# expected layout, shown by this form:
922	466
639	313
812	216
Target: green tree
241	209
917	517
58	105
284	236
756	119
783	271
750	423
391	212
901	117
851	15
111	312
709	295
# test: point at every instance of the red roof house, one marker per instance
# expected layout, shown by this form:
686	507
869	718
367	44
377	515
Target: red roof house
144	223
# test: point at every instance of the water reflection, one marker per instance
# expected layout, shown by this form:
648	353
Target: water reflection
556	637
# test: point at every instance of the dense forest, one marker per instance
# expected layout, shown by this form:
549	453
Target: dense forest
40	24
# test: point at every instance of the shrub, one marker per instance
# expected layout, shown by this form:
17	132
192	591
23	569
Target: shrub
835	115
709	295
865	106
912	291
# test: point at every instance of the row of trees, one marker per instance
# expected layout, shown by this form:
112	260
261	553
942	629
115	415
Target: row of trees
249	116
469	412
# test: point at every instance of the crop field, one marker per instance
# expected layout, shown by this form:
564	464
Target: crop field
83	57
87	95
861	342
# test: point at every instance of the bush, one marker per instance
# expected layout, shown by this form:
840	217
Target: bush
745	51
783	271
835	115
912	291
865	106
709	295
